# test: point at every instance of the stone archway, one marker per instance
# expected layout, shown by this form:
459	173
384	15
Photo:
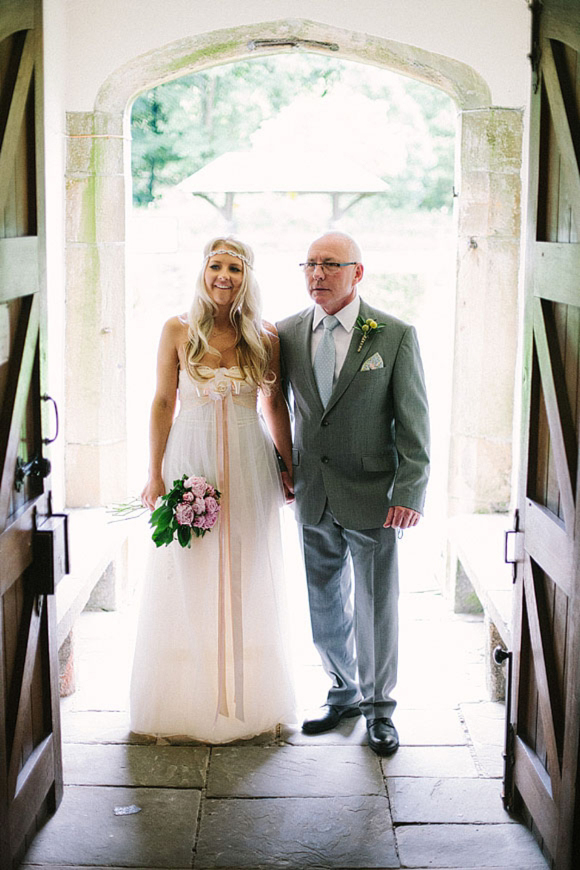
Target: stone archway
488	226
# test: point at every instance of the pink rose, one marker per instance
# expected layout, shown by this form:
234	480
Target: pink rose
210	490
187	497
211	505
198	506
197	485
199	522
184	514
210	520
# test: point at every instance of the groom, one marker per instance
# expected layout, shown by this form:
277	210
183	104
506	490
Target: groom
360	465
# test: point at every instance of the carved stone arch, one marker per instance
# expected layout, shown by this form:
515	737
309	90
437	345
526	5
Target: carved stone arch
490	142
194	53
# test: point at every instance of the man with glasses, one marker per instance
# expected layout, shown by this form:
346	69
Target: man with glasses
355	382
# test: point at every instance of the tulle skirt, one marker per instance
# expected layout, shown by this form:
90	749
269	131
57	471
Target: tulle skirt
188	642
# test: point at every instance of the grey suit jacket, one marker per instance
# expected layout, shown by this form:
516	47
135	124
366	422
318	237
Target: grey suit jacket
368	449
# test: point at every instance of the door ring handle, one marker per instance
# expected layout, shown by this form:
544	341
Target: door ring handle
46	398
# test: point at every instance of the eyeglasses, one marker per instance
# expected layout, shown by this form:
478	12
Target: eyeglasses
327	268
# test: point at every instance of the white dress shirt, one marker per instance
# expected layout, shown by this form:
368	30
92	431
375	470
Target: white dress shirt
342	334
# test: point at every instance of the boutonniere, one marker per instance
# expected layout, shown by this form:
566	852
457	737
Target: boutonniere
368	328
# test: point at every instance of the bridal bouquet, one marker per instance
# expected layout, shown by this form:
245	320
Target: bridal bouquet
190	507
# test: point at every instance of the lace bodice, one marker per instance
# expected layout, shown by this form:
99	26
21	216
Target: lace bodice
223	383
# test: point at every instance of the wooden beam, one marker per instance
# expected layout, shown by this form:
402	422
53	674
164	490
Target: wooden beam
570	758
5	850
18	267
16	548
548	544
557	272
18	385
34	781
15	118
561	21
562	128
21	680
531	780
15	15
53	720
555	410
550	706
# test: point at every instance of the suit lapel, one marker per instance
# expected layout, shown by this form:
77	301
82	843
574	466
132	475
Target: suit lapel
352	363
303	343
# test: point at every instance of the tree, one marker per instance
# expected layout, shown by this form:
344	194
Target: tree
400	129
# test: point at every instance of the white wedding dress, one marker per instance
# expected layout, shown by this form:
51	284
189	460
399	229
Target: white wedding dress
211	659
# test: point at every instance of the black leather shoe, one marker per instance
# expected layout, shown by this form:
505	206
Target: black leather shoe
328	718
383	737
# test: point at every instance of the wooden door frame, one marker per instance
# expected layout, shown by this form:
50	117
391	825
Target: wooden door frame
551	799
30	777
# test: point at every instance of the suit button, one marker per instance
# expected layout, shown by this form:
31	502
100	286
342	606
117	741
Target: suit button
325	423
324	459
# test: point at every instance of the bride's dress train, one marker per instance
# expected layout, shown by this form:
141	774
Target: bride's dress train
211	659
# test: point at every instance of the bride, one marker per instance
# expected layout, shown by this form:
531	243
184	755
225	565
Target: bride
211	658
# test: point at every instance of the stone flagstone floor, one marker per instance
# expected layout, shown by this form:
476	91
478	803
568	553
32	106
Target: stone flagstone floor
286	800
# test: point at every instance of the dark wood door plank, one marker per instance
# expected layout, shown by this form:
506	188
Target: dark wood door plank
12	132
550	705
21	365
22	680
564	134
16	548
557	417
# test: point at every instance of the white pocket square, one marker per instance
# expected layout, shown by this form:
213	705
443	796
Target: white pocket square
373	362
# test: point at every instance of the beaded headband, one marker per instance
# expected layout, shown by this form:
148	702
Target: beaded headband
231	253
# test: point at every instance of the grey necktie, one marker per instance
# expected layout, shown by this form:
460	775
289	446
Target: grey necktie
324	360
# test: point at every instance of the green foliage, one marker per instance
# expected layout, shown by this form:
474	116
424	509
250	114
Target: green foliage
164	522
401	294
400	129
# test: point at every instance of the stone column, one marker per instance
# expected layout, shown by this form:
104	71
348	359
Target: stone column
486	328
95	310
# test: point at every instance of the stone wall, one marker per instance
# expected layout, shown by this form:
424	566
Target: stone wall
96	455
489	184
486	326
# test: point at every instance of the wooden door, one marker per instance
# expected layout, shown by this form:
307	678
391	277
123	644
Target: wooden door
31	542
543	774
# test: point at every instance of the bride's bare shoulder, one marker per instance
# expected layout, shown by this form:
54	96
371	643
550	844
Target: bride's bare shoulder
176	325
173	334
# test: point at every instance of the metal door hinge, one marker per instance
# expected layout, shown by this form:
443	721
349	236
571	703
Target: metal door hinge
514	554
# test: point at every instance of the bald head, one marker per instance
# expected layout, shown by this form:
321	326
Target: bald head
346	242
332	290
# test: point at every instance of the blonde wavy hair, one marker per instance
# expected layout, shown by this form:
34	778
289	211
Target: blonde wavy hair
253	344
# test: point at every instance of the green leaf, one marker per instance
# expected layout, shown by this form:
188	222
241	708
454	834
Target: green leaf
163	536
164	521
184	535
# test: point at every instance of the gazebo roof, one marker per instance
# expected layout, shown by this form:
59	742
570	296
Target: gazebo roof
260	171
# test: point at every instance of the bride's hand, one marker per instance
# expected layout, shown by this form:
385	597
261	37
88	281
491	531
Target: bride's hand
154	489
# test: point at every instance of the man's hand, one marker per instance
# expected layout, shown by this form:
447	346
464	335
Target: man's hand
401	518
288	485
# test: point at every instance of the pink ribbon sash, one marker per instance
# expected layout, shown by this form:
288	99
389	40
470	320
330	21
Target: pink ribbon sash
229	573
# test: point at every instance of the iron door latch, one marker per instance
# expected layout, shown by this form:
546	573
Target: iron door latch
51	553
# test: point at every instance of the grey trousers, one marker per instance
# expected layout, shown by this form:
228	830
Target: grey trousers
358	644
